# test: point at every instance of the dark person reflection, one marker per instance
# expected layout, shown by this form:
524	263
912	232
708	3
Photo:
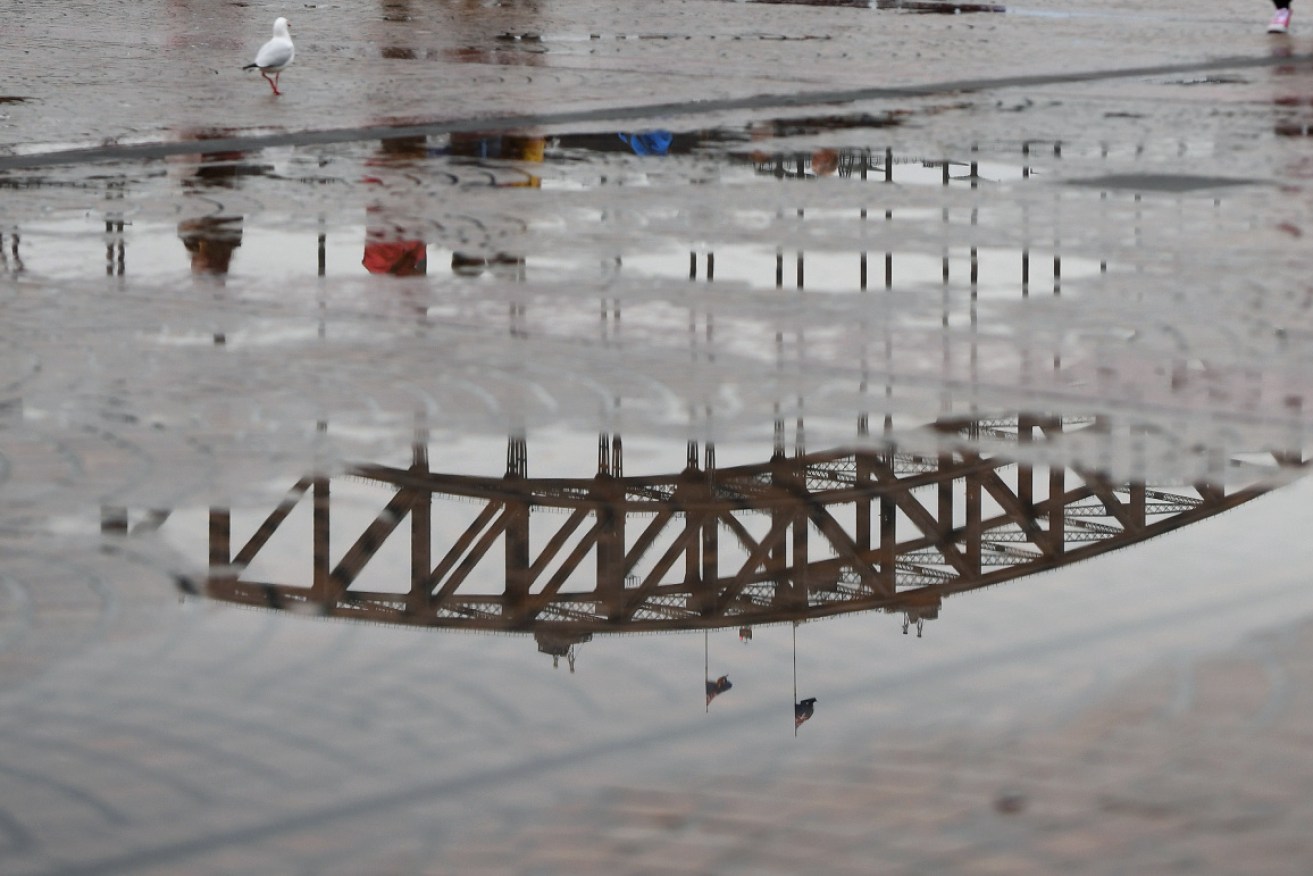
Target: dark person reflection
394	244
211	240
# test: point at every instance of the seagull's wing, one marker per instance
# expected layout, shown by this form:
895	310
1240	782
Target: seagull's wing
275	53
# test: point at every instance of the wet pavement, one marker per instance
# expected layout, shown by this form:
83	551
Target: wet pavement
566	437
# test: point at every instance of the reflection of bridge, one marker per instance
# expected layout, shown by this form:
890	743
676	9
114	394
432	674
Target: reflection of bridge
794	538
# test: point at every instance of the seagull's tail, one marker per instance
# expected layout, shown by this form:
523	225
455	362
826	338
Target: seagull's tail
250	66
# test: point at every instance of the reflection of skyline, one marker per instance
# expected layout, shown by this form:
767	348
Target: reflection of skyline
798	537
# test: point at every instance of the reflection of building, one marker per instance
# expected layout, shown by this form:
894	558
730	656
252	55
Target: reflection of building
789	539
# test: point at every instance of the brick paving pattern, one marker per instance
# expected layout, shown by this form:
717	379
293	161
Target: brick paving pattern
1198	769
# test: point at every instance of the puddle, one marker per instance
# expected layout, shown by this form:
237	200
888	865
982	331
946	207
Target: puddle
591	452
375	488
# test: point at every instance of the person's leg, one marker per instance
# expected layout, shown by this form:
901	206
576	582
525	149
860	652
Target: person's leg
1280	22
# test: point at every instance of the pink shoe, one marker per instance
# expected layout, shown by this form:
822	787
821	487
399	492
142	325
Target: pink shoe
1280	22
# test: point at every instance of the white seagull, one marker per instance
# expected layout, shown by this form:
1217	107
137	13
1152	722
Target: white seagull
275	55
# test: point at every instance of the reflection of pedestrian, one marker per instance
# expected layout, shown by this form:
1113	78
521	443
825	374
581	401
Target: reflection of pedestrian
802	711
1280	22
210	241
393	243
400	258
717	687
522	148
825	162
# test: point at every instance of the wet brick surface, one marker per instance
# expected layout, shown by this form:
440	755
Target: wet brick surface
143	734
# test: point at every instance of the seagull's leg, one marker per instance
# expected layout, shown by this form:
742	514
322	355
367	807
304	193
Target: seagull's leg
276	75
271	82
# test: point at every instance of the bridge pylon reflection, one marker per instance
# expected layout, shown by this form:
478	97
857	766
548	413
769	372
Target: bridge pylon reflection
790	539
